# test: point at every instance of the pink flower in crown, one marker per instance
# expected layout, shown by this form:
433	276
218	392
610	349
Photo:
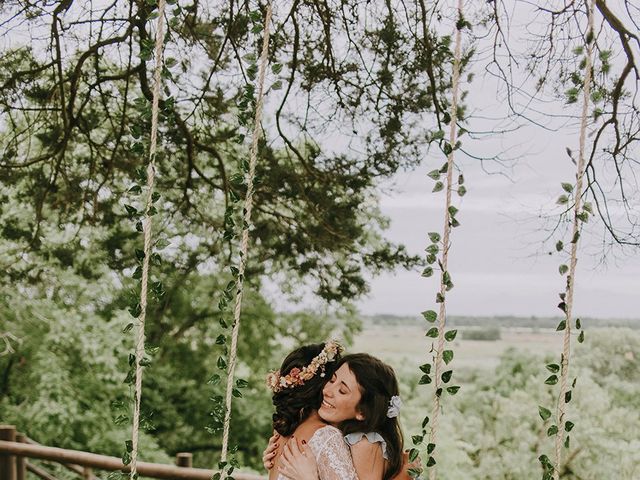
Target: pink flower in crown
294	373
273	380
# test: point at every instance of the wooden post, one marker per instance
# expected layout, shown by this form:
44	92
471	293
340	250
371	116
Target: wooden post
21	462
184	460
8	461
87	473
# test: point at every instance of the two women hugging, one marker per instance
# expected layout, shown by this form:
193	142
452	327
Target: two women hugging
336	418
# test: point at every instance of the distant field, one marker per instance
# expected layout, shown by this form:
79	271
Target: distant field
407	345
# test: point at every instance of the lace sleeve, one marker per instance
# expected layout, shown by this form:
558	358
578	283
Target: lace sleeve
332	455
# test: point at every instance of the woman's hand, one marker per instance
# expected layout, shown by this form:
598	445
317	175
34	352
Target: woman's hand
406	466
270	452
298	463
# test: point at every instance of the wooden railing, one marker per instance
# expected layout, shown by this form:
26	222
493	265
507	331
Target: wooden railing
15	449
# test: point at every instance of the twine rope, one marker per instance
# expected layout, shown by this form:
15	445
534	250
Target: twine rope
140	337
248	205
566	348
447	233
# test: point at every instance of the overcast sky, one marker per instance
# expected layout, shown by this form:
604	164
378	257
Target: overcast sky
498	261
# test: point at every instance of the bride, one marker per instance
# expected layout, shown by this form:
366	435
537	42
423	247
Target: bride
345	410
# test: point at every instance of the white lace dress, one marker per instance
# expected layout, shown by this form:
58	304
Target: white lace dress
332	455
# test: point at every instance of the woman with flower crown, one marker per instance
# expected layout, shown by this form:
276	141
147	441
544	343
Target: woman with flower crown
336	419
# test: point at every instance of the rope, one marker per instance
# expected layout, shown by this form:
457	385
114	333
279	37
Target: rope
566	350
147	237
447	233
248	205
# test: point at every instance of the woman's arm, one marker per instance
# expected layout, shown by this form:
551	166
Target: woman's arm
368	460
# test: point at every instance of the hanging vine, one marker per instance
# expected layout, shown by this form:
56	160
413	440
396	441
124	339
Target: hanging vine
580	214
442	355
146	256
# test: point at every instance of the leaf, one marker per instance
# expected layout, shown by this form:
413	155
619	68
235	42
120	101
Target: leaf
567	396
447	356
439	298
425	422
431	258
563	269
552	380
444	167
462	191
455	223
430	315
581	337
424	380
430	448
434	237
460	179
276	68
561	326
583	217
452	210
578	324
222	364
425	367
563	306
131	211
277	85
240	383
135	310
588	207
417	439
544	413
137	273
568	426
438	187
236	393
432	332
431	462
562	200
128	328
433	249
135	189
559	246
552	430
162	244
553	367
567	187
567	442
221	339
413	454
446	376
450	335
435	174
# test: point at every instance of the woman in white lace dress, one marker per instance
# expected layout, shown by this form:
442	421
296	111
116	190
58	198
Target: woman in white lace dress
360	397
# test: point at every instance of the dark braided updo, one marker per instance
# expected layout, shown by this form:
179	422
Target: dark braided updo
294	405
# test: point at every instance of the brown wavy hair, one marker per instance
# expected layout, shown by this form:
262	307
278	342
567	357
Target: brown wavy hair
378	383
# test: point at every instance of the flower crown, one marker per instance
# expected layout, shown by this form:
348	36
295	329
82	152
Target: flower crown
276	382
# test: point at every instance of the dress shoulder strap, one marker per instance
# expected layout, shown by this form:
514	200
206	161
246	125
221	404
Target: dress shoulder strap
372	437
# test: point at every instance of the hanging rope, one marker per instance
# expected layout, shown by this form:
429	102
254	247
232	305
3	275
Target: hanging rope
151	170
566	350
446	235
248	205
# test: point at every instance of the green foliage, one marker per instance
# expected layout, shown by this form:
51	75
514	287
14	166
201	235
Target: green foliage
494	430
